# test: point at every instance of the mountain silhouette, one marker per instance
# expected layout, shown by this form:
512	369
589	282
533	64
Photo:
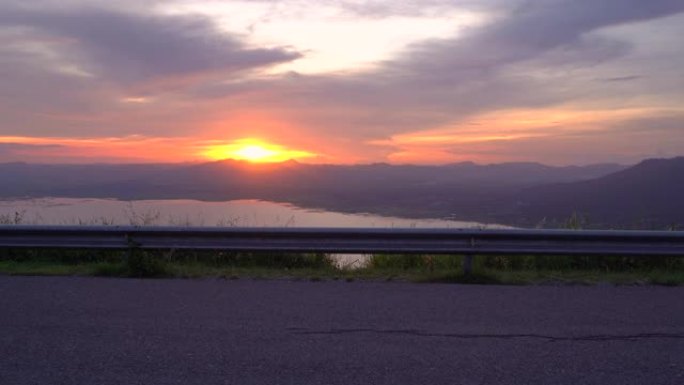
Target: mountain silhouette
647	195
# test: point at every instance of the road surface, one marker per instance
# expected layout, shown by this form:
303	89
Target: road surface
66	330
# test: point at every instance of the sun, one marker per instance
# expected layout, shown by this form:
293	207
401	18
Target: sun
255	153
254	150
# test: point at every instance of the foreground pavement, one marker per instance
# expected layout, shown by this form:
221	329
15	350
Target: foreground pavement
66	330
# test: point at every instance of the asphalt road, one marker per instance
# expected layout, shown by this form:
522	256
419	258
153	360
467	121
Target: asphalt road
125	331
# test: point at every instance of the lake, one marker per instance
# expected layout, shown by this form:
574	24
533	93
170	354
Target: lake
237	213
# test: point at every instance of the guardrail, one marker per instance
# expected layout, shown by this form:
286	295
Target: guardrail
348	240
467	242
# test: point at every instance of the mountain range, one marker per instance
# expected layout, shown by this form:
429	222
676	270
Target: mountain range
646	195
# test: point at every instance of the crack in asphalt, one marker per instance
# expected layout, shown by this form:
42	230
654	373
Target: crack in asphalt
550	338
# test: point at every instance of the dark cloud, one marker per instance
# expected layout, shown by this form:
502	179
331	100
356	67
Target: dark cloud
622	78
65	70
532	29
129	47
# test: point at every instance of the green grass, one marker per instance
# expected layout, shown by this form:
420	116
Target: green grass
52	268
480	276
515	270
510	270
550	277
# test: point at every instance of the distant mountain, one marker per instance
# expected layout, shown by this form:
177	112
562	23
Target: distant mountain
36	180
225	178
463	191
511	193
648	195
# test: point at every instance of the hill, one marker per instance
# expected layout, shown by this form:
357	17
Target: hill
463	190
647	195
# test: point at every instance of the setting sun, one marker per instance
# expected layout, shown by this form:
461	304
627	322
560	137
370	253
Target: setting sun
254	150
255	153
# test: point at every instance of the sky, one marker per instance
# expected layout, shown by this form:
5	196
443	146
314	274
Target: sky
342	81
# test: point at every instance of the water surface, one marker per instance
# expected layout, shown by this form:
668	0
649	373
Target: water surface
242	213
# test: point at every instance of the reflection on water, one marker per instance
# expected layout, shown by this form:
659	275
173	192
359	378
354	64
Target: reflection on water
238	213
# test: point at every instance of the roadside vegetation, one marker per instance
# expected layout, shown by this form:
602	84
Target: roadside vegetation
518	270
492	269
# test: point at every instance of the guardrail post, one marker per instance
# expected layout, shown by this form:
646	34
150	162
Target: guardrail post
467	264
131	246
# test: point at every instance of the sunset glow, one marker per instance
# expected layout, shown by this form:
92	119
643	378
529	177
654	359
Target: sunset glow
344	82
254	150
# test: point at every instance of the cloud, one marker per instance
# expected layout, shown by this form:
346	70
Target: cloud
127	149
622	78
9	147
65	69
598	147
608	136
10	152
531	31
658	124
127	47
412	8
530	55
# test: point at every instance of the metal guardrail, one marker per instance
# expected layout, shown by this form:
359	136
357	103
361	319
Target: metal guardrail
349	240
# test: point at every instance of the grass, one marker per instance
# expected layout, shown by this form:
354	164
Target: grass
511	270
47	268
551	277
194	269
